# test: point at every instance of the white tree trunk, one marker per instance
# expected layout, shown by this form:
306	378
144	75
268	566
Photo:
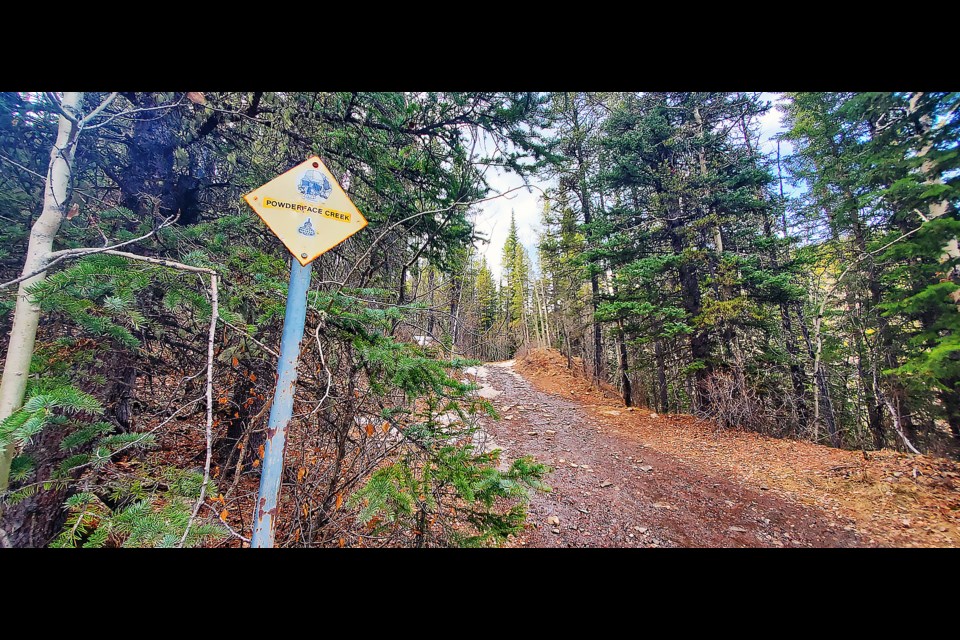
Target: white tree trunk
27	313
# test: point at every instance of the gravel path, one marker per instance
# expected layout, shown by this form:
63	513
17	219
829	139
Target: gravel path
610	490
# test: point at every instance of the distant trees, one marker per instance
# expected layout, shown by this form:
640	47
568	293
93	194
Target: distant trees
515	266
811	295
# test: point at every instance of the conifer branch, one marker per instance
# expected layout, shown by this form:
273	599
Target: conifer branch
56	257
131	112
143	436
103	105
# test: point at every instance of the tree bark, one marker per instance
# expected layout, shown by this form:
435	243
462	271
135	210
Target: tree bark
431	317
455	293
822	388
797	377
26	315
566	342
690	294
584	197
661	377
624	376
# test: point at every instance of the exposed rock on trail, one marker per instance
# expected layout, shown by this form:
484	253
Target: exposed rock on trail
610	490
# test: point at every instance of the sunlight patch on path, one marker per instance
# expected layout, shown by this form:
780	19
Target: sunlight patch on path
508	366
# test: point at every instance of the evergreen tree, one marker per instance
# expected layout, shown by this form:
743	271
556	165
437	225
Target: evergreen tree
560	249
571	157
877	199
914	157
486	297
688	203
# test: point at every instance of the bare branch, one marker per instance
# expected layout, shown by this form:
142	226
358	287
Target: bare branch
163	262
417	215
136	111
894	415
58	106
225	525
326	393
214	302
247	335
20	166
43	177
103	105
60	256
830	291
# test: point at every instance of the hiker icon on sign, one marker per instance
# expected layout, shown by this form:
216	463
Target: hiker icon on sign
314	185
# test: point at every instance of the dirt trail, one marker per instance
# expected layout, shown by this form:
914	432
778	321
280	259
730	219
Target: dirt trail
610	490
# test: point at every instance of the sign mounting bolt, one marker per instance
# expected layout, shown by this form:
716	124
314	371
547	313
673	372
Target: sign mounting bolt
303	255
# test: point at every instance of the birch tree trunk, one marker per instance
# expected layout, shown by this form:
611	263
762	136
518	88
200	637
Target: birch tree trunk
26	315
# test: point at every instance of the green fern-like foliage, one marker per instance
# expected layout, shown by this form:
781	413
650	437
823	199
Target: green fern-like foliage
41	409
85	435
21	467
99	294
154	518
410	493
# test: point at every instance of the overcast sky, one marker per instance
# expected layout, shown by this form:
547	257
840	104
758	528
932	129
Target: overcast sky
493	217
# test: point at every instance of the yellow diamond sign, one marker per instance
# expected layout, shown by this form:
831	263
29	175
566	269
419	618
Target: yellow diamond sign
306	208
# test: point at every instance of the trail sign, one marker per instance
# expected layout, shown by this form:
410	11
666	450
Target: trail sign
310	213
307	210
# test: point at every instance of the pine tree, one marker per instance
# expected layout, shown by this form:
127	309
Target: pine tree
560	249
572	158
682	235
914	157
486	297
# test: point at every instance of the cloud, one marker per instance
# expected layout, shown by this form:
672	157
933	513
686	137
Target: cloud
493	217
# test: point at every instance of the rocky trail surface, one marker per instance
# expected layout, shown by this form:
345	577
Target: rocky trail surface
612	486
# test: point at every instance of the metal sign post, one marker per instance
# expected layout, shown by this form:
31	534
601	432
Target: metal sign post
282	409
306	208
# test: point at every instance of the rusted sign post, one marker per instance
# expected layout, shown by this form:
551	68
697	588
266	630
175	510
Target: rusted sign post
310	213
